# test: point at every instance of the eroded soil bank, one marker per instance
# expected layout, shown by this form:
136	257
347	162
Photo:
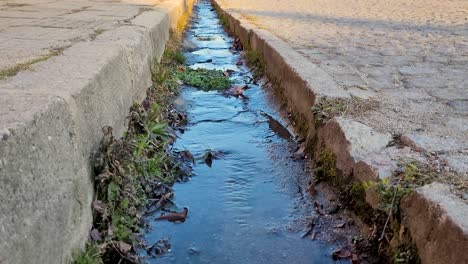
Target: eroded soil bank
248	198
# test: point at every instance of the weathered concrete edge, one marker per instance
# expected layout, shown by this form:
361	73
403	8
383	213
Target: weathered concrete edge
301	90
438	223
50	126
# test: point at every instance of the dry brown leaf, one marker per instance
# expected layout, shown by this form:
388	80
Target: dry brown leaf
123	247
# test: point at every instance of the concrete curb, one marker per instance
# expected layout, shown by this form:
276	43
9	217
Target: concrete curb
360	151
438	224
50	125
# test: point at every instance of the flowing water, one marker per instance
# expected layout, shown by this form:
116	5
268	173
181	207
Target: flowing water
248	206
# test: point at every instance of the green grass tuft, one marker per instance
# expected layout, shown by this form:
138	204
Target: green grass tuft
204	79
12	71
256	62
91	255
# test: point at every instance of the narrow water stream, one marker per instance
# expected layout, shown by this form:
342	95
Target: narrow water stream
248	206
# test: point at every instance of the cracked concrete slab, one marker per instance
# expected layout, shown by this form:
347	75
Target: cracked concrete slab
31	28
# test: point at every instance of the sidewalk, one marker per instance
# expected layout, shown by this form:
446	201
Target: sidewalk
32	31
409	56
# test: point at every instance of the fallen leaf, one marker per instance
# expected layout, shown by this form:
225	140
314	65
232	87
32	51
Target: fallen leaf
95	235
123	247
341	225
333	209
314	234
175	216
341	253
186	155
237	91
100	207
160	247
237	45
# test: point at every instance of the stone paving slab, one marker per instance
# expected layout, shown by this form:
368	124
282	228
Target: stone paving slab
31	29
409	56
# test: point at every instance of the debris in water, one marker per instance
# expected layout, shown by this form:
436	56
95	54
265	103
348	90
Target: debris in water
237	91
300	153
314	234
227	73
193	250
311	188
187	156
205	38
343	252
319	208
237	45
310	227
341	225
239	62
159	248
210	155
175	216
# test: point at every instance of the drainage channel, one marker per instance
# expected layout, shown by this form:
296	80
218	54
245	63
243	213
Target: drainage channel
250	205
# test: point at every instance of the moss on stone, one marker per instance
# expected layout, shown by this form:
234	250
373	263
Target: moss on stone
204	79
256	62
325	167
12	71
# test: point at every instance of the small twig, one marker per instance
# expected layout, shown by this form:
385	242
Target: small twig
344	112
311	227
390	210
308	231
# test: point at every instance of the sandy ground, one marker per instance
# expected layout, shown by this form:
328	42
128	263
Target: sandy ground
409	56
